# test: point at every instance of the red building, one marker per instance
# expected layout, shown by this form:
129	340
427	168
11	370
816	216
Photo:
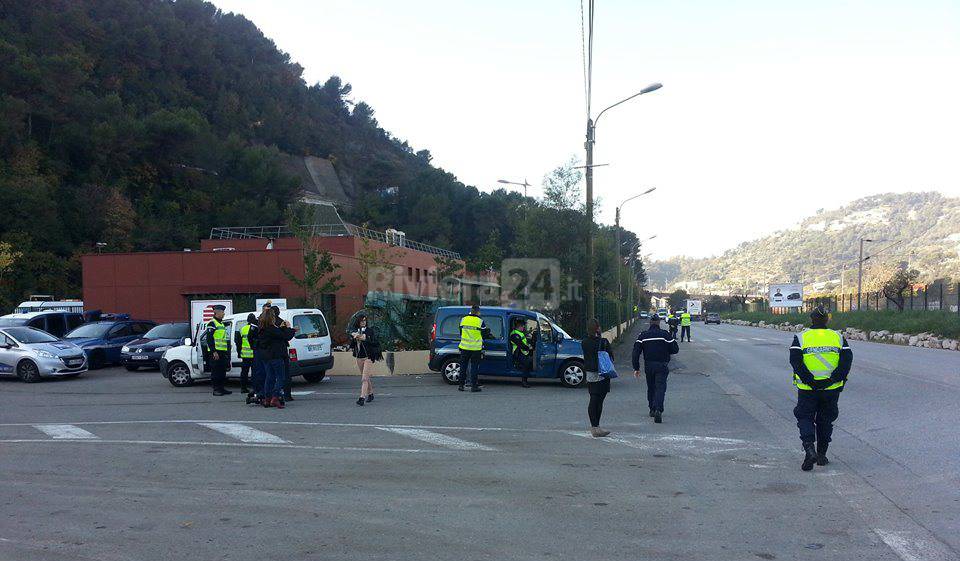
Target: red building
243	264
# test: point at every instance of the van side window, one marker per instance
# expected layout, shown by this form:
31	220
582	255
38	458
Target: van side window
56	325
546	331
495	325
450	328
74	321
38	322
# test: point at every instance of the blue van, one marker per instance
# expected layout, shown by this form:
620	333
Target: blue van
557	354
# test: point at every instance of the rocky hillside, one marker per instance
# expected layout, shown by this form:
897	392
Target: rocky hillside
922	229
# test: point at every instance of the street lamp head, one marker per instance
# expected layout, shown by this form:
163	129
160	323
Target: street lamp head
651	237
502	181
652	88
650	190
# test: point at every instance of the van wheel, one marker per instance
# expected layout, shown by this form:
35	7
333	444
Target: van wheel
450	372
28	372
572	374
179	375
315	377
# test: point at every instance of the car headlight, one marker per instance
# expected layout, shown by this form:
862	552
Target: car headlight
45	354
124	349
162	349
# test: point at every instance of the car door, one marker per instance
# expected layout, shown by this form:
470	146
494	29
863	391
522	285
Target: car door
495	355
530	327
546	360
118	336
312	341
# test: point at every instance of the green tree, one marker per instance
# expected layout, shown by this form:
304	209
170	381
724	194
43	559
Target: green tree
678	299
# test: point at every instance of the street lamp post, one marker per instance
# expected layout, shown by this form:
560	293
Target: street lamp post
617	260
591	129
524	185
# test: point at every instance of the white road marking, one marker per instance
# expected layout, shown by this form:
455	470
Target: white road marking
909	547
243	433
65	432
438	439
758	339
303	392
741	339
724	340
228	444
706	340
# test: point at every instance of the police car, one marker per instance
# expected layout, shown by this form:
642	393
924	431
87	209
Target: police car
31	354
310	350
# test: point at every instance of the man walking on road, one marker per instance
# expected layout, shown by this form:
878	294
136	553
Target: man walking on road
821	360
656	346
685	322
471	348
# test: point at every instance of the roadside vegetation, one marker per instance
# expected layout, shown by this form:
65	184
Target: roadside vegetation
943	324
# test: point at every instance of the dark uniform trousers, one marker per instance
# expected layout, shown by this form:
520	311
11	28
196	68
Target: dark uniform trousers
656	383
218	369
816	411
684	331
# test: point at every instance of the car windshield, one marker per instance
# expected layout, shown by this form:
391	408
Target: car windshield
94	330
30	335
168	331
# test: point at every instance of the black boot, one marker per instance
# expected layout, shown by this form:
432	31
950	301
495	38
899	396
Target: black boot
810	458
658	416
822	453
524	383
653	412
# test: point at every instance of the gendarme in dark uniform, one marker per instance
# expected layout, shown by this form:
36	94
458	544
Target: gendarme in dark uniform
217	344
656	346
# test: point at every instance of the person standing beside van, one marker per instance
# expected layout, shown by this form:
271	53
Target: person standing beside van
273	339
245	353
598	386
472	329
366	349
217	344
520	350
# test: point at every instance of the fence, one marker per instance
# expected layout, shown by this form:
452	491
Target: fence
937	297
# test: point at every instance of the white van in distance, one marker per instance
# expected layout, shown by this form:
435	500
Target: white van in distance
310	349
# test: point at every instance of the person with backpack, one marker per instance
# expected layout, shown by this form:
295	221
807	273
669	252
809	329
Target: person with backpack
597	385
656	346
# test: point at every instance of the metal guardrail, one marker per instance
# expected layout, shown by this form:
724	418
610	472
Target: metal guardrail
324	230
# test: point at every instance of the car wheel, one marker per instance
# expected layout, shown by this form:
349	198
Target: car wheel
572	374
28	371
131	367
179	375
451	371
97	360
315	377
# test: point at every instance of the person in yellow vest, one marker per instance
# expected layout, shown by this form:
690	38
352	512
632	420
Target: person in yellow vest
242	340
821	360
685	322
217	344
472	331
521	350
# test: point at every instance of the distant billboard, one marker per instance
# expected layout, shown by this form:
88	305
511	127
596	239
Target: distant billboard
786	295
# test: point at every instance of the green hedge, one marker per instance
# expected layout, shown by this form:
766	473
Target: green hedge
943	324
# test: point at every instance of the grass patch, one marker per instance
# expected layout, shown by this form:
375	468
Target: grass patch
943	324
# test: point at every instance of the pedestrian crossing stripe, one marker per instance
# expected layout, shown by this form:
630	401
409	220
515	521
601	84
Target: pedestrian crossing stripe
243	433
65	432
438	439
724	340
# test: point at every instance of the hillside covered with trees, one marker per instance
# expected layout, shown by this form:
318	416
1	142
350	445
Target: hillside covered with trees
141	124
919	230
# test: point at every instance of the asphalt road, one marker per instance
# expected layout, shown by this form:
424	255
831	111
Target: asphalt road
122	466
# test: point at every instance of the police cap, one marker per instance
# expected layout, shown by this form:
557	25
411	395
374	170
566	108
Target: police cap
219	308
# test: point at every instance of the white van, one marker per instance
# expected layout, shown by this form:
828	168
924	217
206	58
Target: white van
310	349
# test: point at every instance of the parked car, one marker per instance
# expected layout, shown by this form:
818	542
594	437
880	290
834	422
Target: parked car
31	354
147	350
54	322
310	350
102	341
557	354
712	317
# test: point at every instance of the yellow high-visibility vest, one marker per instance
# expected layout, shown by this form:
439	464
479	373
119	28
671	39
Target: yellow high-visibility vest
246	351
471	338
685	320
220	342
821	355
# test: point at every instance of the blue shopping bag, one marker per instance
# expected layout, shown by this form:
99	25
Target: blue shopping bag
605	364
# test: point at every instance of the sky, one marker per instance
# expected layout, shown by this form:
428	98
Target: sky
770	110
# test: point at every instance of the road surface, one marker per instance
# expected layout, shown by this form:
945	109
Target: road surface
122	466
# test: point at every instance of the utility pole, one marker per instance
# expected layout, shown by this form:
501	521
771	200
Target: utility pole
590	268
617	259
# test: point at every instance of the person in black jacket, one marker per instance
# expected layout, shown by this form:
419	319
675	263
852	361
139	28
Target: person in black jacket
287	379
598	386
656	346
821	360
366	349
272	346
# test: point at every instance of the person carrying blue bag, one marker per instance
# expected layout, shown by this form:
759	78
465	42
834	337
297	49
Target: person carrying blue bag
598	364
656	346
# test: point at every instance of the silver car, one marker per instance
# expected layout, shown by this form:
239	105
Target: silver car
30	354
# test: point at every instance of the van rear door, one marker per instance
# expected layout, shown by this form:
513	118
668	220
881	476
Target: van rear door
312	341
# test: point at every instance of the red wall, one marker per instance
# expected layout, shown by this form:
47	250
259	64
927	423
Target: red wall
156	286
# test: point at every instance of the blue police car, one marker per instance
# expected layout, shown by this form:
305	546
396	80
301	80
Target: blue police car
557	355
102	341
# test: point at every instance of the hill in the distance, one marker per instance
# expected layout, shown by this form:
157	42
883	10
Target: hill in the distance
921	229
